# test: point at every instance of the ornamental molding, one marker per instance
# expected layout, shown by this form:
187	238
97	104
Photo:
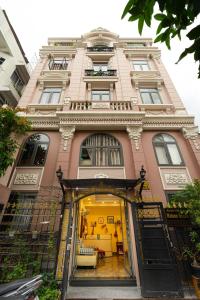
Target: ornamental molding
67	134
118	120
191	133
134	134
41	123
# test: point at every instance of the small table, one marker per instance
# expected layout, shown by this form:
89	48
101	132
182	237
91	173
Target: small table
101	253
120	248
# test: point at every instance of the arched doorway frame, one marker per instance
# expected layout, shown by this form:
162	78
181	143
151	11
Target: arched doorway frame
76	189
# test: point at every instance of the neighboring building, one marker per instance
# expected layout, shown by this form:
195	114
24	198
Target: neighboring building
14	72
102	107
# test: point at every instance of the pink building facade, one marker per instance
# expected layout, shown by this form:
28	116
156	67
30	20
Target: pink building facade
101	107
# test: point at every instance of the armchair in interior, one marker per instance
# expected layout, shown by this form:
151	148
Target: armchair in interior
87	257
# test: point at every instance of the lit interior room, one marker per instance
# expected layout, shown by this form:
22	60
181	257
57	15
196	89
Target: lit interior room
102	238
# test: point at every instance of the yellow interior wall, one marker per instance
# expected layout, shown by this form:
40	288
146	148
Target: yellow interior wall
96	212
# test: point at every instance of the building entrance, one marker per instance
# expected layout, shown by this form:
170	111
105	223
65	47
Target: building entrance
102	246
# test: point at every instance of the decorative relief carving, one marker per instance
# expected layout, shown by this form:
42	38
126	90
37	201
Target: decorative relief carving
135	134
67	100
191	133
101	175
175	178
24	178
100	105
67	133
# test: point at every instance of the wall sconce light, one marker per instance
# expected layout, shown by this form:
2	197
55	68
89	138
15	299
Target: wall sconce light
59	173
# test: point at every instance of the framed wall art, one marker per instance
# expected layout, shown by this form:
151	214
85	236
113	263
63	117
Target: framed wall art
110	219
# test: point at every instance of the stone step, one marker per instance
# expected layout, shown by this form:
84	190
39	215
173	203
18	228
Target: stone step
117	293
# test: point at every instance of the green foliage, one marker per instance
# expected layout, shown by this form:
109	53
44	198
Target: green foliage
18	271
189	201
19	266
175	16
10	123
49	289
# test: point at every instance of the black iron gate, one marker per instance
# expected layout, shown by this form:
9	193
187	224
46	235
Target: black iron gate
157	265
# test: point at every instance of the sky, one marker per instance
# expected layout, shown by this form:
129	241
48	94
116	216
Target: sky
36	20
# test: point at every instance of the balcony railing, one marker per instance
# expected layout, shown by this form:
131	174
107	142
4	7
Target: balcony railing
100	49
100	73
111	105
58	64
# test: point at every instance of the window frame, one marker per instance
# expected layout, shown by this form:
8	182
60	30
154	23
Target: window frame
167	153
101	65
133	45
50	93
2	100
154	90
23	219
2	60
101	94
17	81
108	147
33	156
140	64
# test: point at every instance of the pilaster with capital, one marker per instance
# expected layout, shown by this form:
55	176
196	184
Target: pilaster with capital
67	133
134	134
192	135
63	160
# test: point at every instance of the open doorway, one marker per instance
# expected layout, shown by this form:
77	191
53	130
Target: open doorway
102	242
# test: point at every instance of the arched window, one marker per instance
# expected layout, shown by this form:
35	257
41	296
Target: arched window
166	150
101	150
34	151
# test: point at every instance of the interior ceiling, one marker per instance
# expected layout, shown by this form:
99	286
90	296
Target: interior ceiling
102	200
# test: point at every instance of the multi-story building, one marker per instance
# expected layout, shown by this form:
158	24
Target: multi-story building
14	71
102	107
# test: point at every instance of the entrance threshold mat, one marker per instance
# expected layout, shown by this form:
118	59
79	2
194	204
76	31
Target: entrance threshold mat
78	281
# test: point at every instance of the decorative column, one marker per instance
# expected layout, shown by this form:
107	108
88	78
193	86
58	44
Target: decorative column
193	137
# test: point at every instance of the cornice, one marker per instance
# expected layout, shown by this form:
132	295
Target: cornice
50	77
167	122
118	120
58	51
145	51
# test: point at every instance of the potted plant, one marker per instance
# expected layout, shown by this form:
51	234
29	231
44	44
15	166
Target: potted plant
188	201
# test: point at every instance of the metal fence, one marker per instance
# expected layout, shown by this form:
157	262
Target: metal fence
29	232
